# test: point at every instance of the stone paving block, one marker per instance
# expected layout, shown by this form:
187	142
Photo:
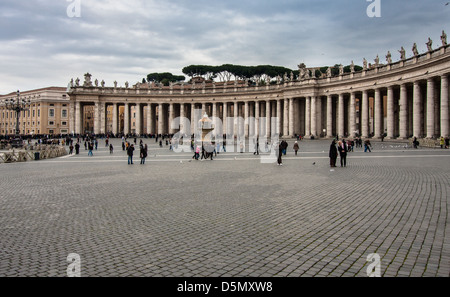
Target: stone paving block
234	216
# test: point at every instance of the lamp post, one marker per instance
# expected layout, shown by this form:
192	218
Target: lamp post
18	105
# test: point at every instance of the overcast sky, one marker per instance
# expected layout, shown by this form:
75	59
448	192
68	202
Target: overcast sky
41	45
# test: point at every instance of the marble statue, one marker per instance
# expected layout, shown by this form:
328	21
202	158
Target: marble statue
444	38
329	72
402	53
87	80
389	57
414	50
429	44
352	67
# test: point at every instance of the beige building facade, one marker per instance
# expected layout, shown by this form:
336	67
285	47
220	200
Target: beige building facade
48	113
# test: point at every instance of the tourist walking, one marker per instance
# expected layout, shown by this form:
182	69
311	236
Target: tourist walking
442	142
111	148
197	152
256	152
70	149
130	151
367	146
90	147
296	147
333	153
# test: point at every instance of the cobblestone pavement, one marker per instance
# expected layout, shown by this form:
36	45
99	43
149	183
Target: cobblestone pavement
233	216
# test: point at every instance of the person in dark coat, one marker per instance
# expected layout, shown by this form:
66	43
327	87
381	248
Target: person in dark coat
143	153
130	151
342	147
280	153
77	148
284	146
333	154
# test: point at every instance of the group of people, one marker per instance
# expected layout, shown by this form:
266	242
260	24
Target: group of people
143	150
341	149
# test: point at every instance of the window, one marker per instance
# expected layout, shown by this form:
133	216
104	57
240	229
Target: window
33	113
39	113
51	123
50	131
63	123
64	113
51	112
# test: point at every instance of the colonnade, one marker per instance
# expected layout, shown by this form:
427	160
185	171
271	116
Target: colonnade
402	110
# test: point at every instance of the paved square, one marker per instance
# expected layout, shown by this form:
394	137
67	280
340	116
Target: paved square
233	216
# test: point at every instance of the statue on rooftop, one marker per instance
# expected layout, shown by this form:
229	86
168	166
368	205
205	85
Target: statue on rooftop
414	50
429	44
402	53
444	38
389	57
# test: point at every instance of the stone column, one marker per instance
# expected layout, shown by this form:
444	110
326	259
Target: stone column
268	119
214	113
138	119
97	118
365	115
224	118
78	115
378	115
126	119
171	116
278	128
319	115
390	113
149	119
160	118
352	114
114	118
444	107
182	119
291	117
256	119
430	108
341	130
192	118
246	124
313	116
286	117
417	108
403	112
235	115
308	117
329	116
